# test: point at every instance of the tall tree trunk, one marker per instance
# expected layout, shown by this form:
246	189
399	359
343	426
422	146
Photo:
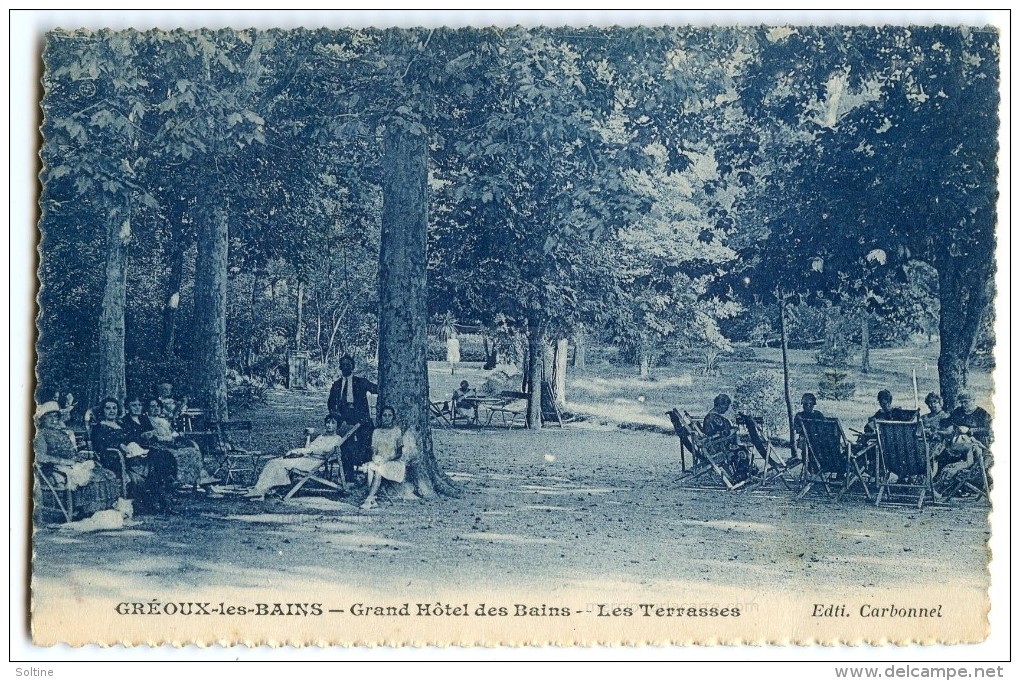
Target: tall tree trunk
865	343
300	326
250	353
172	294
786	372
560	371
965	292
210	369
403	317
112	382
580	347
318	328
534	374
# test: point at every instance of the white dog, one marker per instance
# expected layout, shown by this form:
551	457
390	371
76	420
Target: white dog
111	519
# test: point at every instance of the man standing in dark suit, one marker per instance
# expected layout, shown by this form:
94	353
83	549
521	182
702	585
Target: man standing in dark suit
349	399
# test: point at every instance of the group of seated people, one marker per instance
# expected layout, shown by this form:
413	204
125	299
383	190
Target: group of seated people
140	445
955	440
391	450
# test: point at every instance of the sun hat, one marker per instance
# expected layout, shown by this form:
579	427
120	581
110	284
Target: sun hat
46	408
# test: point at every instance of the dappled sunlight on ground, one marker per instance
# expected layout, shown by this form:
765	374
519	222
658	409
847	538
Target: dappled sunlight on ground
507	538
602	516
268	518
729	526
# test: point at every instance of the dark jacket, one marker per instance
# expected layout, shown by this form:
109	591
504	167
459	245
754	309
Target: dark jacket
357	412
978	422
133	430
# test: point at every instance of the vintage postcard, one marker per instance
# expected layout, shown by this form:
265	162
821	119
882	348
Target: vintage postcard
476	336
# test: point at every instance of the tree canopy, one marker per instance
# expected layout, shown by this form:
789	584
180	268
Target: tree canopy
650	183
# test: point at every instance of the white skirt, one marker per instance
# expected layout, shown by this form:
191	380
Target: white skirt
389	470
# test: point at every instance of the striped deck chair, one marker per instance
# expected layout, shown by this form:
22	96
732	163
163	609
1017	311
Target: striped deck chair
773	465
829	459
710	454
904	466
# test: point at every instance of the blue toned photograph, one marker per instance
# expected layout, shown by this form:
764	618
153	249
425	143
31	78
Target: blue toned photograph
516	335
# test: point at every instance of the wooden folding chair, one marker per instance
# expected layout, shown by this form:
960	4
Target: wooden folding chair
903	461
829	459
234	461
709	454
331	467
440	414
773	466
48	498
550	411
974	478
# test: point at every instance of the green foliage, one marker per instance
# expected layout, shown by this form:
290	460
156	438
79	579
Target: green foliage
246	392
835	384
839	356
760	394
651	184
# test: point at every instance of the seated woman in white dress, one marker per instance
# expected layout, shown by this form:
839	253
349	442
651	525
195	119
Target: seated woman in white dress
302	459
392	449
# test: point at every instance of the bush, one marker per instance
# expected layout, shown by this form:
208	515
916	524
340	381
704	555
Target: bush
471	349
835	384
760	393
246	391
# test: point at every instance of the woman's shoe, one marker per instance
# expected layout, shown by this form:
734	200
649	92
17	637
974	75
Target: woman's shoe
369	504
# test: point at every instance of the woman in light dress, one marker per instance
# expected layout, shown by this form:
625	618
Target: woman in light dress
392	449
302	459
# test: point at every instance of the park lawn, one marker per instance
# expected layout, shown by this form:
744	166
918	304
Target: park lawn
611	394
588	507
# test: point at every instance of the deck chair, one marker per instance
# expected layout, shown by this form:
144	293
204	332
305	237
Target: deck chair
50	497
709	454
550	411
973	479
829	459
235	461
439	413
903	456
773	466
329	474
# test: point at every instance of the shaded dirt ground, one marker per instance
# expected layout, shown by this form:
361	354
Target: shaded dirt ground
603	512
590	513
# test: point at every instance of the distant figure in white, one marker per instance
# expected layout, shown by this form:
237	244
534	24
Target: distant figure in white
453	352
302	459
392	449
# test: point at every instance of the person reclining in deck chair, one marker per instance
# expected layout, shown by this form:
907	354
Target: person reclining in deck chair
934	424
807	413
717	424
158	433
968	432
301	459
